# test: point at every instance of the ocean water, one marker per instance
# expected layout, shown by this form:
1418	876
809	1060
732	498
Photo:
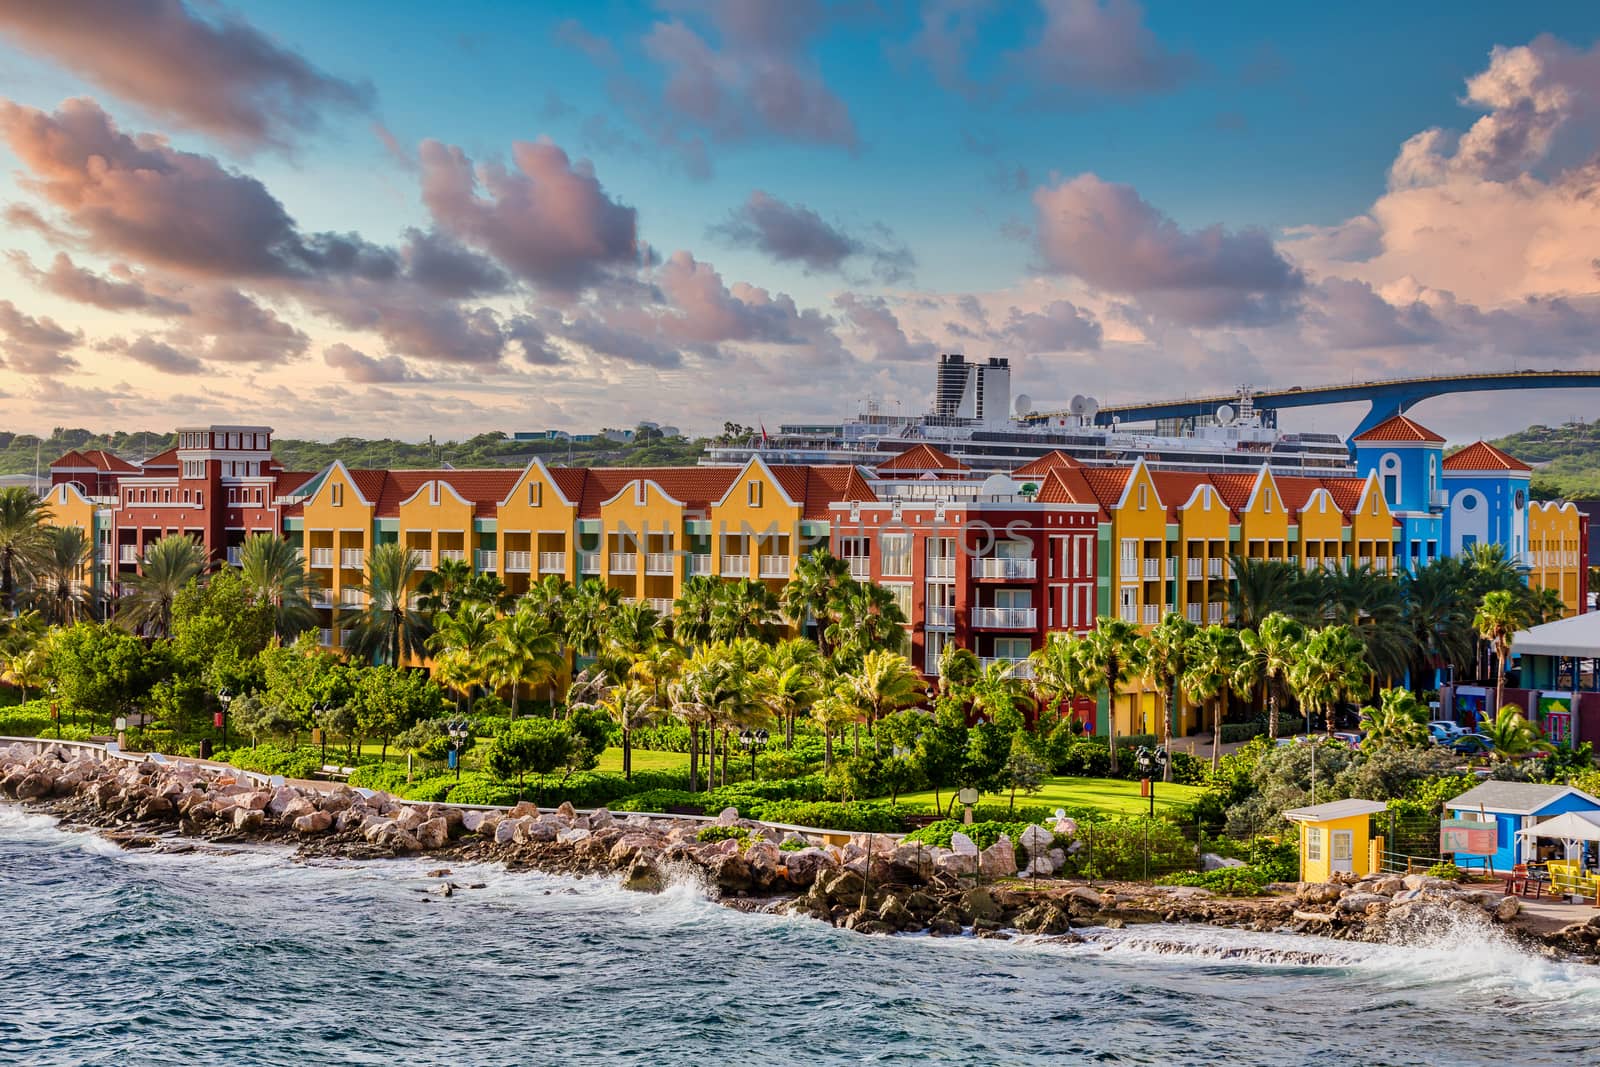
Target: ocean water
249	958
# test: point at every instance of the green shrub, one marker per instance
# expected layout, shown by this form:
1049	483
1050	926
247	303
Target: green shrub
1116	846
1243	731
1227	881
385	777
853	817
1445	870
481	789
1278	861
430	790
983	834
661	800
29	720
724	833
302	762
794	844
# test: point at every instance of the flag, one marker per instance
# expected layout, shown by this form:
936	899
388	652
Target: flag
763	435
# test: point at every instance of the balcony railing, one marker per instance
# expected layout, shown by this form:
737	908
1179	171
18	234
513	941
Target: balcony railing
1020	668
941	615
662	604
1192	612
1195	568
352	598
128	554
325	638
939	567
1004	567
424	558
1130	613
354	558
1005	618
774	566
661	563
549	562
1214	612
1130	569
483	559
234	553
700	564
322	557
588	562
1152	614
860	567
103	554
1214	568
736	566
1366	561
457	554
624	563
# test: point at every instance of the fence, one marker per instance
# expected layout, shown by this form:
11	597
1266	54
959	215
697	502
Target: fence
1410	842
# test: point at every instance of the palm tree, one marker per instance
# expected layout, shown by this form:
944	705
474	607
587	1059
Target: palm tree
1439	614
1545	605
460	643
1213	658
1397	720
656	667
1373	606
169	564
958	667
867	617
1261	587
832	713
523	650
1510	732
1270	650
442	588
745	608
812	591
588	617
1499	616
1110	652
27	668
789	681
387	627
634	628
630	706
998	695
275	573
1163	655
1057	672
694	612
1332	664
64	553
485	587
714	691
22	516
550	599
1489	569
883	684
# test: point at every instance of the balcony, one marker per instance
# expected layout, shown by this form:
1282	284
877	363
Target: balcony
1020	668
661	563
1005	568
1005	618
1215	612
1130	569
860	567
1193	612
322	598
1195	568
424	558
1366	561
549	562
483	559
699	564
322	557
941	615
662	604
624	563
353	558
736	566
1129	613
352	598
774	567
325	638
939	567
588	562
234	553
1152	614
1214	567
128	554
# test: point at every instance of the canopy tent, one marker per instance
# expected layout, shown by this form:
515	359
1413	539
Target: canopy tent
1578	636
1571	826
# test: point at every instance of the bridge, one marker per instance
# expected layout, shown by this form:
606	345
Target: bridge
1388	396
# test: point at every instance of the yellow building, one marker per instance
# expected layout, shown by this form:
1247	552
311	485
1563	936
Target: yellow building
69	506
1336	838
1555	551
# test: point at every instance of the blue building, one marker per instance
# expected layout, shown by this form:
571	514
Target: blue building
1488	501
1514	806
1409	461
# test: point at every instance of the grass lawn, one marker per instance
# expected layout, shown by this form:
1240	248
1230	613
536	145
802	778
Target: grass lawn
644	760
1107	794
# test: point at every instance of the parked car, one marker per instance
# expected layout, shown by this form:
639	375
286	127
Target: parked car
1351	739
1445	731
1472	745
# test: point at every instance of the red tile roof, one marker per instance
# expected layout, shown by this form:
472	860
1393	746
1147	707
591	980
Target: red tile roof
1399	428
1482	456
1176	488
167	460
1235	489
1346	492
1048	462
1107	483
98	458
922	457
1067	485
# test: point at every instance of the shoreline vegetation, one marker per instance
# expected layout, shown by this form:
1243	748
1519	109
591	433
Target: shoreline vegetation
870	883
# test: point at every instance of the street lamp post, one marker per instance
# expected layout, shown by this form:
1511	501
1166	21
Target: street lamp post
754	741
55	709
319	711
459	731
1152	764
224	697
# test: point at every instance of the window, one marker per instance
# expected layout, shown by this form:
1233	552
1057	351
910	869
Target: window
1469	501
1521	499
894	554
753	491
336	495
1144	496
199	497
1313	844
535	494
901	592
1266	505
1130	558
258	496
1391	486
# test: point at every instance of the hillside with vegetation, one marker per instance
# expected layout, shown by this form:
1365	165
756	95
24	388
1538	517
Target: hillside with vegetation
21	453
1565	458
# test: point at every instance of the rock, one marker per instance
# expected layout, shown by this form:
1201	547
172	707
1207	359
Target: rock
945	923
959	864
1389	885
728	816
846	886
978	903
435	833
315	823
1353	902
1423	881
1509	909
505	830
1312	916
1036	840
409	818
643	877
1213	862
401	841
566	810
998	860
523	809
600	818
297	807
805	866
574	835
34	786
1082	894
472	820
280	800
894	912
1043	918
962	845
248	820
732	874
1319	892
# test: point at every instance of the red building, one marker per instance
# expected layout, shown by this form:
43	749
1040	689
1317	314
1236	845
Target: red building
94	471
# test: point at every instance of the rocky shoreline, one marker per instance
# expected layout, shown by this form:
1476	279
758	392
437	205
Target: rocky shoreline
872	884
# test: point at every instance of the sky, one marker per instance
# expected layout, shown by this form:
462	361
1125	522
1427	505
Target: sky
439	220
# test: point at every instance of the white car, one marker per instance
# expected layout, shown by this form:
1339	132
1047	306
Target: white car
1445	731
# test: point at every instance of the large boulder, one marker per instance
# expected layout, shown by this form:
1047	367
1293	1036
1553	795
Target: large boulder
957	864
643	877
434	833
1044	918
600	818
316	822
978	903
34	786
247	820
732	874
999	860
505	831
804	866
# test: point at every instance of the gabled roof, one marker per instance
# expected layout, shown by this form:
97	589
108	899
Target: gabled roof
162	460
286	482
1107	483
97	458
1067	485
1482	456
1048	462
1335	809
1401	429
1177	488
817	487
1236	489
922	457
1515	798
1346	492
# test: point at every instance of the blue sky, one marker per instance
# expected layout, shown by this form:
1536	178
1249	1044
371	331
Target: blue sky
1216	140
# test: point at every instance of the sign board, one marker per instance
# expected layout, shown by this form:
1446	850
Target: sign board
1555	717
967	796
122	724
1468	835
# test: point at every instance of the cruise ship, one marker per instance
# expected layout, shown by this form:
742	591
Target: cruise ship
975	422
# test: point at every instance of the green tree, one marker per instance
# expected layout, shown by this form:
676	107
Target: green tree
745	608
169	565
813	591
275	573
1499	616
589	611
884	683
1262	587
65	553
694	612
1058	677
462	642
631	707
1110	652
1213	659
220	628
832	713
999	696
1332	664
386	627
22	534
1023	770
789	682
530	746
942	746
1510	732
1270	651
102	670
866	618
26	668
442	588
1399	719
390	701
959	667
1163	658
523	650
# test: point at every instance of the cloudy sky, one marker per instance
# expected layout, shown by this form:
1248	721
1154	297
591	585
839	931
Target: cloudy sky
414	219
